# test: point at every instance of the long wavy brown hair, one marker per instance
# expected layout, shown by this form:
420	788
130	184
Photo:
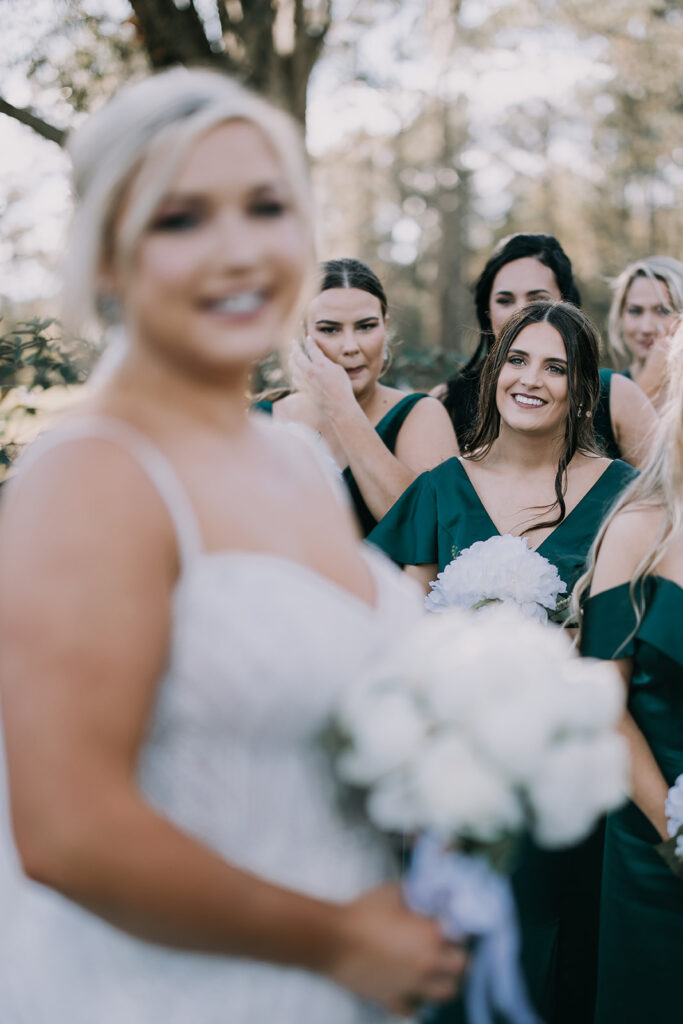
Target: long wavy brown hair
582	346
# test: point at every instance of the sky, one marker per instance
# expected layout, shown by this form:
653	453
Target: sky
34	192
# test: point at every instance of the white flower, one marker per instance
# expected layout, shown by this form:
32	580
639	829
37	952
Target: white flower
478	725
461	794
593	694
674	808
501	568
581	779
387	730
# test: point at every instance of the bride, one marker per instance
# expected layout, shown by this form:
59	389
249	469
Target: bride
176	628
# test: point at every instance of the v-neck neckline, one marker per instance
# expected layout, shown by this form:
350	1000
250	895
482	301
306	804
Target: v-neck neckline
555	529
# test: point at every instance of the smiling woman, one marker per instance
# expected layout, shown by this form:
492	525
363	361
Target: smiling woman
380	437
525	268
646	306
175	633
533	471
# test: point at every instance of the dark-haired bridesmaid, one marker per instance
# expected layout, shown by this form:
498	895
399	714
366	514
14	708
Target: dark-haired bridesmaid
381	437
525	268
532	470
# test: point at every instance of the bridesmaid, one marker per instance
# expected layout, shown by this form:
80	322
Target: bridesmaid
533	471
382	437
646	304
633	616
522	269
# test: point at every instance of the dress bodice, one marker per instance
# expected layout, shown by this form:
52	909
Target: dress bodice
261	648
612	629
441	514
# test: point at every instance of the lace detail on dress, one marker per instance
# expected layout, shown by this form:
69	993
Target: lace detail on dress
261	648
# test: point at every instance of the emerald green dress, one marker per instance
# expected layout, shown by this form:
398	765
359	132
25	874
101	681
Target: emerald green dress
388	429
557	892
440	514
602	418
641	917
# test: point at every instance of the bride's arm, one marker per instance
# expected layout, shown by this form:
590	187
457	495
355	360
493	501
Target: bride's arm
85	591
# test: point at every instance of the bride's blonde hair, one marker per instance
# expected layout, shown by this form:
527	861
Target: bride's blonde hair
659	485
132	148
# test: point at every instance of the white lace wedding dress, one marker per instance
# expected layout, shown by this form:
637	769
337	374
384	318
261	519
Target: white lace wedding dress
261	648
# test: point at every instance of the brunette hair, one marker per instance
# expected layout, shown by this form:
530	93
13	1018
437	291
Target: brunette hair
582	345
351	273
544	248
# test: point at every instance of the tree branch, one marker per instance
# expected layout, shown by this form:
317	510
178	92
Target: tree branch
32	120
172	35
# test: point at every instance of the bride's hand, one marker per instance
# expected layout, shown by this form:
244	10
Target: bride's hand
394	957
323	380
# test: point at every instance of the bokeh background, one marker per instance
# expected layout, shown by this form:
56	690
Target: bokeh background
435	128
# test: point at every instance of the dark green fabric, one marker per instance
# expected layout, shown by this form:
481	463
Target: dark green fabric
440	514
602	419
388	429
641	915
557	893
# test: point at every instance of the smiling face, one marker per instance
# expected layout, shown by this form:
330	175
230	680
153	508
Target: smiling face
532	392
517	284
647	315
347	324
219	268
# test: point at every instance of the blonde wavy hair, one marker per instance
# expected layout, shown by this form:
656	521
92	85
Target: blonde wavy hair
663	271
659	485
132	148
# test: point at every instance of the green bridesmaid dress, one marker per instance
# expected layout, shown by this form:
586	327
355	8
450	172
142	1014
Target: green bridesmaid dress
388	429
641	916
602	418
440	514
557	892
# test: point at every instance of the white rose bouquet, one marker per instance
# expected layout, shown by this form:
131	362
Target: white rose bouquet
672	849
474	731
501	569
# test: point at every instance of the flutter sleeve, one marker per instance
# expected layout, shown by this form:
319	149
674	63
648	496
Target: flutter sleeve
609	624
409	531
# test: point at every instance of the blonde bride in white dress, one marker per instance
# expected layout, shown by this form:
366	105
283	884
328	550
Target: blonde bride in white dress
182	599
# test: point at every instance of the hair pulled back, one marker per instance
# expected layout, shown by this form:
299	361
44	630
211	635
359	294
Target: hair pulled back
347	272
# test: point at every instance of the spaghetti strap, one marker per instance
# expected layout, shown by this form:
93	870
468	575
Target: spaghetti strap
149	458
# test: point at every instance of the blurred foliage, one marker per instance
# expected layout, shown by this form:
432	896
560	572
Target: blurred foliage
33	358
425	195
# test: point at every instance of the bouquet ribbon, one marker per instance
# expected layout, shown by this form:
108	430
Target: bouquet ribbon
469	899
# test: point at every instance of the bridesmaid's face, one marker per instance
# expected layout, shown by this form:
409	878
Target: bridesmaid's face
648	315
348	326
532	393
517	284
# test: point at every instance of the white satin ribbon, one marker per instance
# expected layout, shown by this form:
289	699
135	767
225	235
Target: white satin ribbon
469	899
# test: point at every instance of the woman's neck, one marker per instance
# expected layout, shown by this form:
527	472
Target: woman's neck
162	393
370	399
522	450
